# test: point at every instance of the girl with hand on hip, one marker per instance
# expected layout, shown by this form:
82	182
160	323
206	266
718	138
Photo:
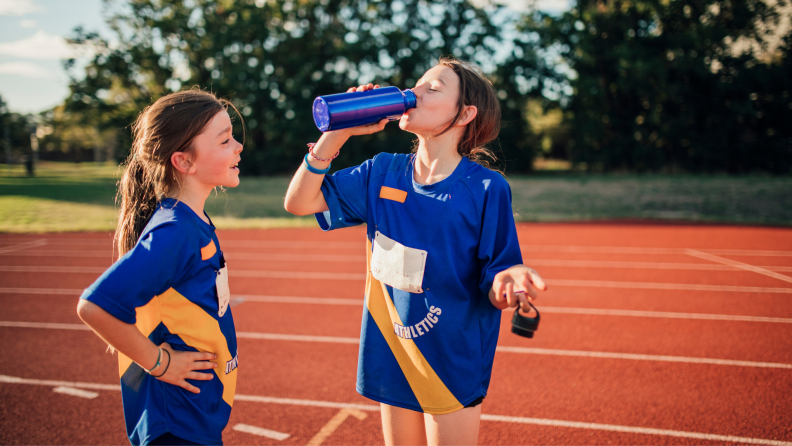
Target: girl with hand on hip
164	304
443	255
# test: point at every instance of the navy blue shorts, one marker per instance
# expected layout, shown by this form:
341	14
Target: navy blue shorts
171	440
475	402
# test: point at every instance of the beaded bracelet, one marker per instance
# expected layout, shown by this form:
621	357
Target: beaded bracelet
166	367
159	359
310	151
313	169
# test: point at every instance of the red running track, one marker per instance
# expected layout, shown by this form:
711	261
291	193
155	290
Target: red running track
651	334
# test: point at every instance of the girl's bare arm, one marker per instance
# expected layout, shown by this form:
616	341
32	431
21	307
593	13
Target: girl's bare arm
127	339
304	196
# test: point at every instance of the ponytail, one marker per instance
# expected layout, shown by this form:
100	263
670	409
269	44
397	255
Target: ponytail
137	199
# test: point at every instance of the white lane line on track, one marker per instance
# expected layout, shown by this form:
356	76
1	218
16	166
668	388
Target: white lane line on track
634	430
607	264
484	417
302	258
75	392
296	275
15	249
68	291
332	246
538	263
563	310
309	403
502	349
636	357
319	244
57	253
63	241
44	325
631	250
664	286
301	300
747	252
664	315
55	383
239	299
734	263
261	432
555	282
54	269
297	338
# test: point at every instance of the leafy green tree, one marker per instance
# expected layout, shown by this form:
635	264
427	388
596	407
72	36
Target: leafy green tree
273	57
15	131
661	84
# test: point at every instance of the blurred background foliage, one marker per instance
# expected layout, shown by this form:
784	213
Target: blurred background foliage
642	85
698	85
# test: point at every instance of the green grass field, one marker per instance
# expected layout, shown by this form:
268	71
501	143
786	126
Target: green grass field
80	197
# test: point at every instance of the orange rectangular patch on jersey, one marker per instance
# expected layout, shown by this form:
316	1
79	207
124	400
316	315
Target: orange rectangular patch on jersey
208	251
390	193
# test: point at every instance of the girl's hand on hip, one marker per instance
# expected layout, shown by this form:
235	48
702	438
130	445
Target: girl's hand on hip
364	129
183	366
517	285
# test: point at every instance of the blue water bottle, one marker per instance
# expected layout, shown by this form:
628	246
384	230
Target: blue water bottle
345	110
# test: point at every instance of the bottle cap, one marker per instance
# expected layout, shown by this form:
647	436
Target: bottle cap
321	114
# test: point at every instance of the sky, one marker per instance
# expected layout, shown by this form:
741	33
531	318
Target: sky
32	46
32	78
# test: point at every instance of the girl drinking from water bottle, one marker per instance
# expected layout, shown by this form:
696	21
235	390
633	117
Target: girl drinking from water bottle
443	255
164	304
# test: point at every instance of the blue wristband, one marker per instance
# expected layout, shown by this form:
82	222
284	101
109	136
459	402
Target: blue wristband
314	169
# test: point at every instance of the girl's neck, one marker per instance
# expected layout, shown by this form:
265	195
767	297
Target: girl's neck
194	197
436	158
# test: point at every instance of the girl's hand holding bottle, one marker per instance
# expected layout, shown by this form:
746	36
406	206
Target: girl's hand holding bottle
517	285
333	139
304	196
363	129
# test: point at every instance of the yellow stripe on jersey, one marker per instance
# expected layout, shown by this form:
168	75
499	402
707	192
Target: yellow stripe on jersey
147	317
208	251
194	326
430	391
201	331
390	193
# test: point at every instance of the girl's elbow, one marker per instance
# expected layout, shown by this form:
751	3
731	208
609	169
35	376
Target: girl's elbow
295	208
85	310
291	208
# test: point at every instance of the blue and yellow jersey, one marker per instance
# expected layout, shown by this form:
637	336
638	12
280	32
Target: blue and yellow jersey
429	331
165	286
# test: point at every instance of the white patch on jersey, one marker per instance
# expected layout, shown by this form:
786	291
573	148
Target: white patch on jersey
223	293
397	265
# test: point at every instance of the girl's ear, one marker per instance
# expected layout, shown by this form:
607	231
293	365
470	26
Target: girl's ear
468	115
182	162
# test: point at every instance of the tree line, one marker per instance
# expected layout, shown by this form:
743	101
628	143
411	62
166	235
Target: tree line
641	85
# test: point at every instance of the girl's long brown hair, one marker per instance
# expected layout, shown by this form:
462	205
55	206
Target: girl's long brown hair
475	89
167	126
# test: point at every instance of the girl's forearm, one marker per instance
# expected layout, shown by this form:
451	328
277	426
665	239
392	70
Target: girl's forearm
124	337
304	196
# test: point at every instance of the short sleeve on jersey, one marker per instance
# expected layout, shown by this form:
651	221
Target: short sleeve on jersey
147	270
499	248
345	193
